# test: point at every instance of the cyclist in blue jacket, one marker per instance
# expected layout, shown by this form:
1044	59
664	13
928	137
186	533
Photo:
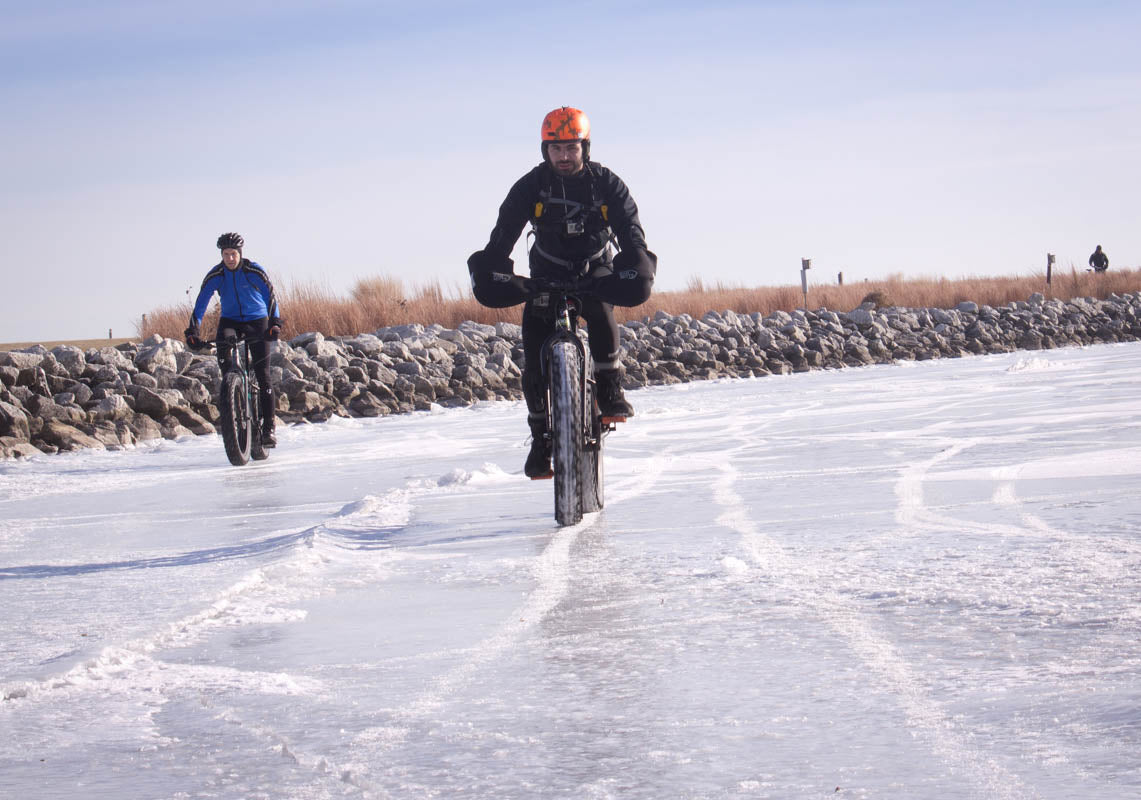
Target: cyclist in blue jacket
249	308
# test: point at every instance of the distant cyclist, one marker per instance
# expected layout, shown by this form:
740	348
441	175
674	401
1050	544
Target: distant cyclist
249	308
1099	260
577	209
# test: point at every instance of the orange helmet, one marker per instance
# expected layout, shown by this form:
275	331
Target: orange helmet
566	124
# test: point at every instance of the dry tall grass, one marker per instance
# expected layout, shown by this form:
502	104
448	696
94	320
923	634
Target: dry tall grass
379	302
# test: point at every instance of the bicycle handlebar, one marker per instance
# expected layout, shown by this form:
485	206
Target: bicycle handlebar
208	345
582	285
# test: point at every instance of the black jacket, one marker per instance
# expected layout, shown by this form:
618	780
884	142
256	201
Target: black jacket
573	217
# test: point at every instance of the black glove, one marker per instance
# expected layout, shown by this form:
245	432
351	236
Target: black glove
273	332
483	262
497	287
643	262
630	283
192	340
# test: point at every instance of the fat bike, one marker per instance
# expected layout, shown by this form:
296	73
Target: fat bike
574	423
239	403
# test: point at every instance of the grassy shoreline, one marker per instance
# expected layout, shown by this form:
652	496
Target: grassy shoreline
381	302
83	344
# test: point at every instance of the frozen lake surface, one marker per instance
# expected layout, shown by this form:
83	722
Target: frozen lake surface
912	581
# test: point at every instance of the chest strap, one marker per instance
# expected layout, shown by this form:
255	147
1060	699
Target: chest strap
576	264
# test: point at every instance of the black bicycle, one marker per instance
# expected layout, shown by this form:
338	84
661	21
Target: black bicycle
575	424
239	403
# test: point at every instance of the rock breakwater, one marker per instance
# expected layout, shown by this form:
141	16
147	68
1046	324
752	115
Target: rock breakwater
114	397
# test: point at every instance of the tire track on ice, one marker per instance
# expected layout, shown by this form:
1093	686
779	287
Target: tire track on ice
896	676
552	568
256	598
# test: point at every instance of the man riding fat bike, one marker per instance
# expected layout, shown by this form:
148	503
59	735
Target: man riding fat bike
578	210
249	308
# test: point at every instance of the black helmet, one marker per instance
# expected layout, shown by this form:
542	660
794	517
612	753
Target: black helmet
231	241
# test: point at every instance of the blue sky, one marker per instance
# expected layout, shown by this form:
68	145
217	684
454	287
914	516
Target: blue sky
348	139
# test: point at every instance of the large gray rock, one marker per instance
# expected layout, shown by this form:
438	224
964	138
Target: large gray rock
81	392
150	402
70	358
143	428
13	421
366	343
303	340
111	408
193	390
193	422
21	360
67	437
171	429
110	356
47	409
114	436
368	405
860	316
324	348
158	352
17	448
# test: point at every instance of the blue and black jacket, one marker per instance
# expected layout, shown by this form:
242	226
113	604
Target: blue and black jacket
245	291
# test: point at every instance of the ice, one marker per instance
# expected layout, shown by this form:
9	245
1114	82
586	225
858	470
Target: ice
892	582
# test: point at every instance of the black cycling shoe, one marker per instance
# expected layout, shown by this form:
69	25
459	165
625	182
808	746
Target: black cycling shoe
539	459
611	402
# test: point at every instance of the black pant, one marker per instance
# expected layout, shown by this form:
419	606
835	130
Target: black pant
254	333
539	323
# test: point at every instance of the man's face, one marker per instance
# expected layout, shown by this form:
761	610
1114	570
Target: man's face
231	258
565	157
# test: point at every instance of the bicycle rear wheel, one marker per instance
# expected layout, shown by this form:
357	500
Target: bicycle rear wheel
258	451
564	375
235	418
591	464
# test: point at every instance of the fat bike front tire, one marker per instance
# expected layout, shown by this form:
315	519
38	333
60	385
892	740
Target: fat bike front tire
234	408
566	431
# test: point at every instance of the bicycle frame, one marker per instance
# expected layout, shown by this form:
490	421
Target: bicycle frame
566	329
241	419
574	423
240	361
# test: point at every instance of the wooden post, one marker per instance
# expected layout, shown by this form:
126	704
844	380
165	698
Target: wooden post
840	279
1049	267
805	265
